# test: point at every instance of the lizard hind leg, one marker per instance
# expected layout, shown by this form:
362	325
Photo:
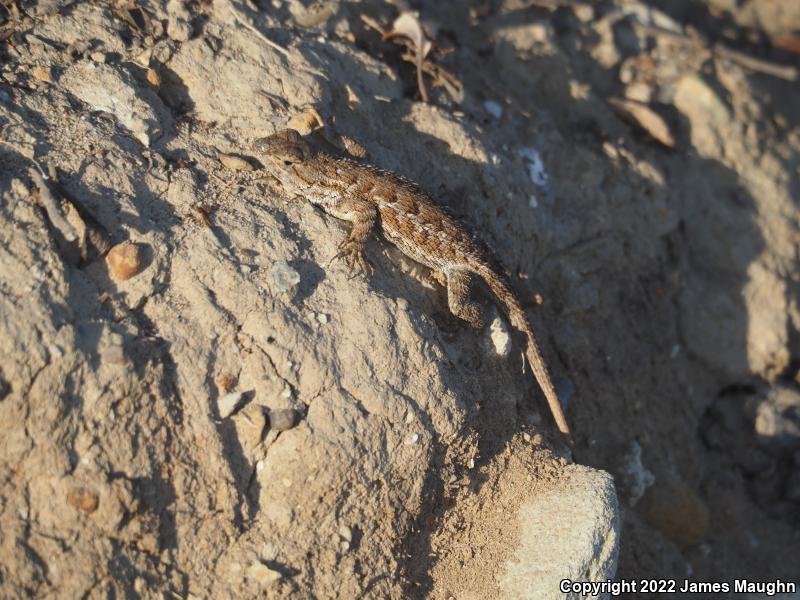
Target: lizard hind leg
459	284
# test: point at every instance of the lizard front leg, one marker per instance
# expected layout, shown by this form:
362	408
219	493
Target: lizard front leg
363	216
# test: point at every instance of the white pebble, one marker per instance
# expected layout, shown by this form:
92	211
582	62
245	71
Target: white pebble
411	439
501	338
493	108
346	533
322	318
284	276
227	404
536	169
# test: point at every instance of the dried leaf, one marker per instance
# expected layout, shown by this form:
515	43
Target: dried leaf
408	25
646	118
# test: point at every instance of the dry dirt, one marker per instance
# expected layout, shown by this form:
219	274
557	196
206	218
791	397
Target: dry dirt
243	419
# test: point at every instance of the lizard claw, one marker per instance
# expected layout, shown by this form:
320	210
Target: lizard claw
352	253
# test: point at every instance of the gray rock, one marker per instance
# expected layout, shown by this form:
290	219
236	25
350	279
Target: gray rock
569	532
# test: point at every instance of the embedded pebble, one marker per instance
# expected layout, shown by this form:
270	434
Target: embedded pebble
228	403
124	261
636	477
262	574
268	551
536	169
55	351
501	338
284	276
493	108
346	533
234	162
250	422
411	439
322	318
282	419
153	78
42	74
83	499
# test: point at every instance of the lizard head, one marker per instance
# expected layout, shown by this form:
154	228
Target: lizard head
286	147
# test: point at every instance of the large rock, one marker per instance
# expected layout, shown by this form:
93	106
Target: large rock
569	532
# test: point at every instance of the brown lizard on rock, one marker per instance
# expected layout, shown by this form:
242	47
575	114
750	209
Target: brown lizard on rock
372	198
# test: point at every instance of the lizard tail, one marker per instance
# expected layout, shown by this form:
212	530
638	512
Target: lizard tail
501	289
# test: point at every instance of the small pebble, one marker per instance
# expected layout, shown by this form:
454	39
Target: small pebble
501	338
234	162
153	78
471	463
493	108
536	170
228	403
98	57
322	318
411	439
346	533
282	419
42	74
269	551
124	261
83	499
55	351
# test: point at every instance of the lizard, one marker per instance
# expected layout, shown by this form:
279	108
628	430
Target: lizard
376	199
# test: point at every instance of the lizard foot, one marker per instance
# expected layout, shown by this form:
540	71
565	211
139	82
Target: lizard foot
352	253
